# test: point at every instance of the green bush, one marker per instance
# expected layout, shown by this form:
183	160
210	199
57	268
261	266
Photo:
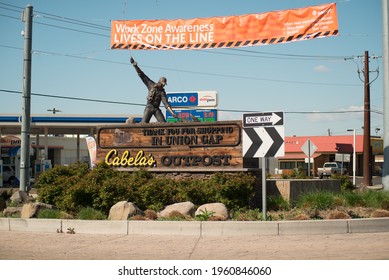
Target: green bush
156	193
277	203
234	190
88	213
75	187
298	173
376	199
317	201
49	214
53	184
245	214
345	182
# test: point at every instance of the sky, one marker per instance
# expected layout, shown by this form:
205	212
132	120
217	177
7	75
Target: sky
314	82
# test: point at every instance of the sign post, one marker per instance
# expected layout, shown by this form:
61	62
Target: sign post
263	136
309	148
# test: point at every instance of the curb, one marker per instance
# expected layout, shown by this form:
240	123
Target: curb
198	228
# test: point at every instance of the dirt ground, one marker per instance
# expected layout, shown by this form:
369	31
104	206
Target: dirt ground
62	246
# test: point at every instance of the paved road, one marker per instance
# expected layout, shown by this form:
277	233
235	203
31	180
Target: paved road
56	246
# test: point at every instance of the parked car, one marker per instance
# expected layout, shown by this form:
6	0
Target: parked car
9	174
328	169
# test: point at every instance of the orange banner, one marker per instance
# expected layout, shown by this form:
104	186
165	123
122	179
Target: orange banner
226	32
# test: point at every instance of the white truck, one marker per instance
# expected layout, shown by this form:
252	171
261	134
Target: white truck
328	169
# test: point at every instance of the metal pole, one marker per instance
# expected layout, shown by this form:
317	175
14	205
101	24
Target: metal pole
26	114
264	214
354	157
309	157
385	62
354	154
367	180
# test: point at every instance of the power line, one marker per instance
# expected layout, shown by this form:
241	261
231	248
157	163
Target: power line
72	29
142	104
190	71
71	21
9	5
290	56
10	9
200	73
75	98
7	16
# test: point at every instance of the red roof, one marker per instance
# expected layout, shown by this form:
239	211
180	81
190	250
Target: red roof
325	144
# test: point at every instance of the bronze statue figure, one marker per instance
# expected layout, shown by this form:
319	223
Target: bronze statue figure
155	96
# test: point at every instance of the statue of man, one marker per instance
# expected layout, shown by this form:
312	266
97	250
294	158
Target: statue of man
155	95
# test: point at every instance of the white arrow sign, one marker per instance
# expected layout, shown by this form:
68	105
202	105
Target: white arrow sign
263	142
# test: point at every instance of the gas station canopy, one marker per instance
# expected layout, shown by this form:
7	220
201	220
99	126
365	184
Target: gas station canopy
62	124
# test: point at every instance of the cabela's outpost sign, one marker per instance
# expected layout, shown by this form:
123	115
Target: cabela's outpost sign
166	146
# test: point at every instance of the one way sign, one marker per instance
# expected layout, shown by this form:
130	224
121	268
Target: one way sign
263	119
263	142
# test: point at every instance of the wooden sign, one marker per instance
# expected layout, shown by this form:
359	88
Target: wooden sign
167	146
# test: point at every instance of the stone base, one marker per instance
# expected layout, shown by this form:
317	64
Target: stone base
291	190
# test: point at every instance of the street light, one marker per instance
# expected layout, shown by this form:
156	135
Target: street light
354	155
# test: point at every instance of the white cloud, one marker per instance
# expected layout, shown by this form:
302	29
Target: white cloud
322	69
338	114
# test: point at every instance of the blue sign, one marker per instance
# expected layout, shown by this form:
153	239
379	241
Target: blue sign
183	99
193	115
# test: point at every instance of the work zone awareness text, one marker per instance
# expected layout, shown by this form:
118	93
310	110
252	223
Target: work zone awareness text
168	34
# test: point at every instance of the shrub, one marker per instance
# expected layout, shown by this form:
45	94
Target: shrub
204	215
177	216
247	215
6	194
376	199
234	190
75	187
277	203
151	214
52	184
379	213
317	201
196	191
298	173
354	199
49	214
156	193
89	213
370	198
345	182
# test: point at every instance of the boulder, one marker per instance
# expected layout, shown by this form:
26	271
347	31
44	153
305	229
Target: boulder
185	208
21	197
30	210
10	211
217	210
124	210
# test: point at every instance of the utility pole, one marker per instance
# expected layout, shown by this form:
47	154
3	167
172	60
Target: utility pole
366	127
385	63
26	107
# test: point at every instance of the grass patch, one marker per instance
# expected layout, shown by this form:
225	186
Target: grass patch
247	215
317	201
49	214
88	213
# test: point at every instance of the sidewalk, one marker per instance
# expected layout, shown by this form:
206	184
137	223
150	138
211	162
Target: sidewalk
62	246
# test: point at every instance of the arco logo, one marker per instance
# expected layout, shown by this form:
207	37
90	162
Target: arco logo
186	99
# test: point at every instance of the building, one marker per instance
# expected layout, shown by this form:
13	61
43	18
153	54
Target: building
329	148
55	139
